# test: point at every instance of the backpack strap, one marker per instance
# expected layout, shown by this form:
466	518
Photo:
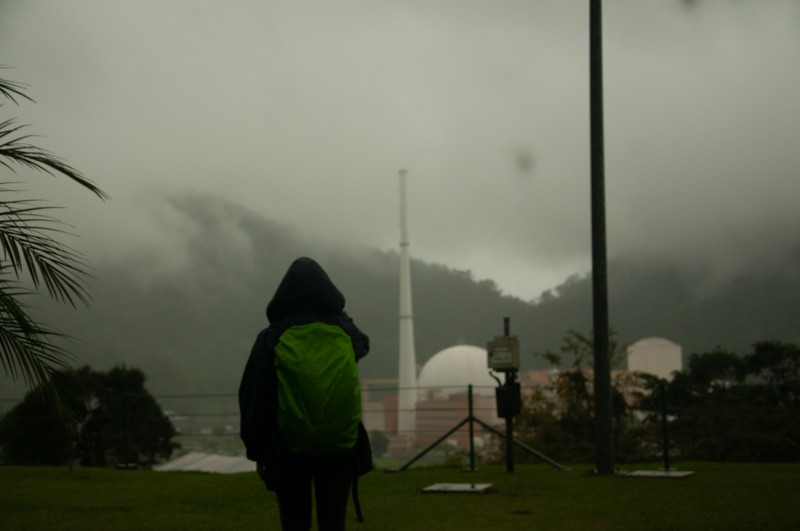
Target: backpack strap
362	454
357	501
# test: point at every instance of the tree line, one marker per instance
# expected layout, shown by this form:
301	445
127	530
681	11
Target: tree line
723	406
107	419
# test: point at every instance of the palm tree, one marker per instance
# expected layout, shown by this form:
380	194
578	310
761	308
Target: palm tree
32	260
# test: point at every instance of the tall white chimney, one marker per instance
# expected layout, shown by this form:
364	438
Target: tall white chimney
407	368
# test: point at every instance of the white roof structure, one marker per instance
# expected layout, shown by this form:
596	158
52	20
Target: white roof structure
655	355
211	463
453	369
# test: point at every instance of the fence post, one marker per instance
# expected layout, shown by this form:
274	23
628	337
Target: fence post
471	430
127	428
664	425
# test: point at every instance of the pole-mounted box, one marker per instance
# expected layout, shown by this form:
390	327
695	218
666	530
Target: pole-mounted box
503	353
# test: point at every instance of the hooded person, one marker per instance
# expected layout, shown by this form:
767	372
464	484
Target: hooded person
305	296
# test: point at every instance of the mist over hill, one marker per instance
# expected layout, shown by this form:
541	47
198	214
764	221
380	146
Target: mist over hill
187	310
688	304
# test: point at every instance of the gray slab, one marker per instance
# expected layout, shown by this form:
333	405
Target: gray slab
678	474
212	463
462	488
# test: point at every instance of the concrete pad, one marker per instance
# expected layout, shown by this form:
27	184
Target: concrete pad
461	488
677	474
211	463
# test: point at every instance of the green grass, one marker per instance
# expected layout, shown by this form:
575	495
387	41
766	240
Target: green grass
720	496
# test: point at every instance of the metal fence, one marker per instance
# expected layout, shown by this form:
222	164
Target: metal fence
452	424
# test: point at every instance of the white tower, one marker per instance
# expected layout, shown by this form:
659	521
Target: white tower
407	368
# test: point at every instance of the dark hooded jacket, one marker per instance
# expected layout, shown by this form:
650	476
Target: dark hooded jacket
306	294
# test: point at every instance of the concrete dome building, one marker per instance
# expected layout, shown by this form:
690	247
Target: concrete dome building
655	355
443	395
451	370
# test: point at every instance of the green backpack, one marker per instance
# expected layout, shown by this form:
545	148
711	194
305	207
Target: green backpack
319	395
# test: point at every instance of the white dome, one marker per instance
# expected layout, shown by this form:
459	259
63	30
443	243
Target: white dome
453	369
655	355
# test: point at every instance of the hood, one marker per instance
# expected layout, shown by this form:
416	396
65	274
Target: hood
305	288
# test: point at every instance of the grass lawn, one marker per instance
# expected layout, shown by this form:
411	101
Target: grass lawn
720	496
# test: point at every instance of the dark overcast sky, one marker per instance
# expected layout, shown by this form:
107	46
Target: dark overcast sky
305	111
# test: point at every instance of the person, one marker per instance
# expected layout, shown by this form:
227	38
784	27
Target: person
305	295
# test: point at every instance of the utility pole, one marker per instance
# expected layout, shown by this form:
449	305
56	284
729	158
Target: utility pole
604	436
511	377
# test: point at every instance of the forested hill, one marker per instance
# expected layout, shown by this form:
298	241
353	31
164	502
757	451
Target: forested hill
188	316
686	304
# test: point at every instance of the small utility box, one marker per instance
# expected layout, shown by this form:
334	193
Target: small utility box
503	353
502	396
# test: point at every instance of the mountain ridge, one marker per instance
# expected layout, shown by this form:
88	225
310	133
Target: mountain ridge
189	324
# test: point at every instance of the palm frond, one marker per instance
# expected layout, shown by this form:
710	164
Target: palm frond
12	90
32	254
28	245
17	150
26	348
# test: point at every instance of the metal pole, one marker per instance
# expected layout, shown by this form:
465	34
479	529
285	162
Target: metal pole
509	383
509	421
471	430
664	427
604	440
127	430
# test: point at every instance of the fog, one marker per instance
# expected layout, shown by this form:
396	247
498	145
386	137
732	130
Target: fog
305	111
